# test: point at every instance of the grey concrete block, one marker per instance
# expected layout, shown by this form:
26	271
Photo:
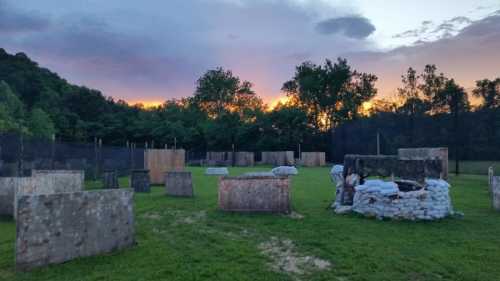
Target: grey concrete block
217	171
139	181
110	179
56	228
179	184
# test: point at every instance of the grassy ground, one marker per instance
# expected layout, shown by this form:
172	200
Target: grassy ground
475	167
189	239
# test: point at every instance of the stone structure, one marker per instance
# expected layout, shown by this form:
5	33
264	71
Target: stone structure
56	228
285	171
313	159
359	167
254	194
377	198
217	171
110	179
139	181
495	192
337	176
434	153
179	184
278	158
418	194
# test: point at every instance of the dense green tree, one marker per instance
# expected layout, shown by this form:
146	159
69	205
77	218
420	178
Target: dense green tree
489	92
330	93
453	99
40	124
11	110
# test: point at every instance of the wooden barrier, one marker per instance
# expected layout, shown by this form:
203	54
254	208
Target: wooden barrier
225	158
255	194
159	161
312	159
278	158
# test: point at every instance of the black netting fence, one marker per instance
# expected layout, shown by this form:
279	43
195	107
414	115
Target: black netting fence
20	154
474	142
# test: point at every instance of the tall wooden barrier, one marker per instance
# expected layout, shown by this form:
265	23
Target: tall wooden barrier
159	161
278	158
312	159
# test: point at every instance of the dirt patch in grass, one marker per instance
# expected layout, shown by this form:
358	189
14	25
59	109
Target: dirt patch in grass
286	259
152	216
295	216
191	218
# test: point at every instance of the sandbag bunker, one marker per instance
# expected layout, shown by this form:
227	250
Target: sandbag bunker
416	190
56	221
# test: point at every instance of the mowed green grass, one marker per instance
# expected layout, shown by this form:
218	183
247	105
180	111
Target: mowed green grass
189	239
475	167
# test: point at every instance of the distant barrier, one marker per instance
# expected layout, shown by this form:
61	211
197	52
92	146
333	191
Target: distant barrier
159	161
313	159
278	158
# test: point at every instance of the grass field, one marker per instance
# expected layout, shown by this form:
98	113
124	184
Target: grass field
475	167
189	239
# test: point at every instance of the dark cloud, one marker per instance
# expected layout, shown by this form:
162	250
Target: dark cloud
15	21
351	26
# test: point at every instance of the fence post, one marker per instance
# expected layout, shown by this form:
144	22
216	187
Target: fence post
95	159
52	151
20	173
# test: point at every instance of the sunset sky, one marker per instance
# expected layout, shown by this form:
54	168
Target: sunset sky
155	50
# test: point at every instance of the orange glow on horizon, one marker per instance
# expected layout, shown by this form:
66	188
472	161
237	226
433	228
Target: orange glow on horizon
146	104
276	102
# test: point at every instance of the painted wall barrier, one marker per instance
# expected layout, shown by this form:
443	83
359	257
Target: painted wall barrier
254	194
179	184
278	158
159	161
55	228
313	159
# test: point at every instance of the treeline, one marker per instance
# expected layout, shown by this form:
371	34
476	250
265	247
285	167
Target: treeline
225	111
433	110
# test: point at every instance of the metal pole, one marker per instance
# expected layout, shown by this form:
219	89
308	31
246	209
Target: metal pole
20	163
52	152
175	143
378	143
95	158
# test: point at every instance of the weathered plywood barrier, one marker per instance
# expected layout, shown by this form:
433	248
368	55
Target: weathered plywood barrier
41	182
278	158
159	161
435	153
312	159
495	192
254	194
8	187
179	184
226	158
55	181
60	227
244	159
